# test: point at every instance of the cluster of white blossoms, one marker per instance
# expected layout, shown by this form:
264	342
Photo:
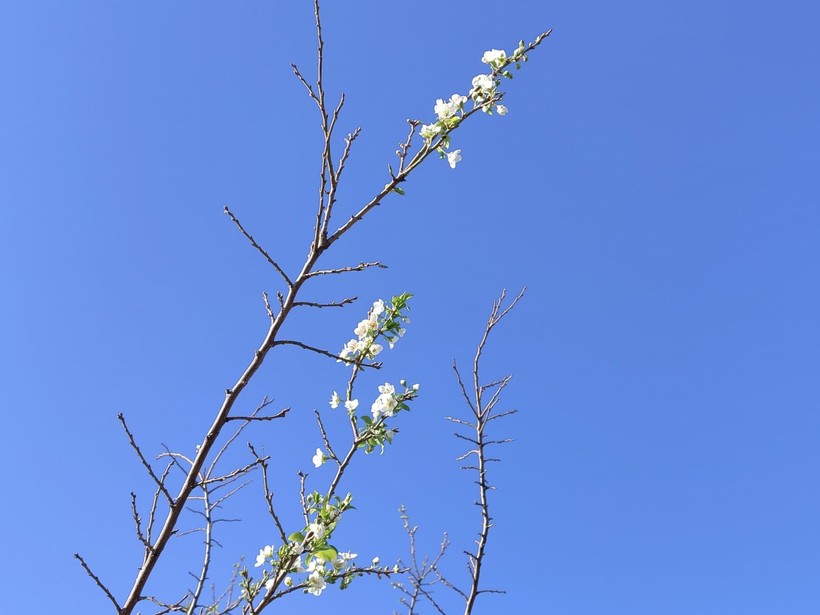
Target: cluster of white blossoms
385	403
388	400
366	331
484	94
318	570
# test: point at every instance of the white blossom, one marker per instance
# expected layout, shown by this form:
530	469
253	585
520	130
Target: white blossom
348	351
501	110
334	400
458	100
270	582
442	109
453	158
288	582
264	553
387	388
318	532
318	458
428	131
385	403
447	109
342	559
494	57
378	307
367	326
376	561
483	87
315	583
351	404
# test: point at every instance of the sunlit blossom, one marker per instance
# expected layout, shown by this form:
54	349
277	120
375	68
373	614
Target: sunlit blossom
494	57
315	583
264	554
318	530
318	458
453	158
428	131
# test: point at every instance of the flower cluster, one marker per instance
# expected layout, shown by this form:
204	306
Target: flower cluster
320	571
365	347
382	321
388	402
484	94
374	432
322	563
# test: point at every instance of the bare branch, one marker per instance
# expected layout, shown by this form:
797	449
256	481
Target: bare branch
267	306
315	304
463	390
152	514
263	462
270	417
246	420
304	82
346	153
206	557
404	148
501	415
99	583
258	247
322	352
302	498
482	411
359	267
145	463
324	436
138	522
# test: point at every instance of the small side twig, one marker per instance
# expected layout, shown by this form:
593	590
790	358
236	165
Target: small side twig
97	580
160	484
261	250
359	267
317	304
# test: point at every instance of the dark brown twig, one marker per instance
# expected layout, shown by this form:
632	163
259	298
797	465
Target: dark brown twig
261	250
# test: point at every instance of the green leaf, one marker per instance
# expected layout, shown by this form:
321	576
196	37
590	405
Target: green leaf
297	537
329	554
398	190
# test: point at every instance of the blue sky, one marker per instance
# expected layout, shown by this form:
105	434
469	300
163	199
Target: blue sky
654	184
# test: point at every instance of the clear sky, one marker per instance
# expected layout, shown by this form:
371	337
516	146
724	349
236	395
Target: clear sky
655	184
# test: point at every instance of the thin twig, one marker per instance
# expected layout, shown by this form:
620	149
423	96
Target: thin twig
99	583
145	463
316	304
326	353
261	250
359	267
324	436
